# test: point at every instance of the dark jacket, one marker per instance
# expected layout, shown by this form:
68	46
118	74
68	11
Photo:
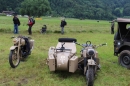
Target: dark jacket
63	23
16	20
112	25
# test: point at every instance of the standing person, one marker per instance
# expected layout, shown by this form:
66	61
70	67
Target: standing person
112	27
30	24
16	23
63	23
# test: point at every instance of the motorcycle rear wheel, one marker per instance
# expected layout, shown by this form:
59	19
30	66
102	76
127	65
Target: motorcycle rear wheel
13	59
90	76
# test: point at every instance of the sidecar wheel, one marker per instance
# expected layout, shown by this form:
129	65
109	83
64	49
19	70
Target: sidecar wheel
90	76
13	59
124	58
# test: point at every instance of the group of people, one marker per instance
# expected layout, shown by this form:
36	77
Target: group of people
44	28
31	22
17	23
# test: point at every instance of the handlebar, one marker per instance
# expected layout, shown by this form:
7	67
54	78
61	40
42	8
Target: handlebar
79	44
100	45
94	46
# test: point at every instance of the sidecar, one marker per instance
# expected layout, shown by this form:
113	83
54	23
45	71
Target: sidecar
63	56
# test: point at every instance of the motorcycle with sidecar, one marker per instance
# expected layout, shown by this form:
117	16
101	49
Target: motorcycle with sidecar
63	57
22	47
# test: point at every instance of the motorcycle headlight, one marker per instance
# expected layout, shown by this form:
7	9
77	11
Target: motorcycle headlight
91	52
15	40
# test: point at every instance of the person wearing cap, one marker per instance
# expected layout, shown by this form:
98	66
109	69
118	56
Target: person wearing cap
16	23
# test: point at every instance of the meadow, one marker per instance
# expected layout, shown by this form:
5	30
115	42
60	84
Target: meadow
35	72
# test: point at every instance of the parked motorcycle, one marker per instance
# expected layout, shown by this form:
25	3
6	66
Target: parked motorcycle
90	61
20	50
63	58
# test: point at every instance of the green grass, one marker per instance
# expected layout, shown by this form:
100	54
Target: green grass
35	72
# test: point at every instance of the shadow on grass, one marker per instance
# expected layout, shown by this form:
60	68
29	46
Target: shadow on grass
5	30
66	74
9	30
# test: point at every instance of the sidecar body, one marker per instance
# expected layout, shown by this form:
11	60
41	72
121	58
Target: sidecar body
63	56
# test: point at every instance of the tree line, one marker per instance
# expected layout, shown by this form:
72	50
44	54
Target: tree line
82	9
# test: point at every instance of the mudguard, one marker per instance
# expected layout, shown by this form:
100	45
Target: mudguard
51	59
13	47
73	64
31	44
91	62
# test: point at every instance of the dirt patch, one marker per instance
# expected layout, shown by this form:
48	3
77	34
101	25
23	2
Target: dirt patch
2	50
22	81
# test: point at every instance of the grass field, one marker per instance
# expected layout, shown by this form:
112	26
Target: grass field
35	72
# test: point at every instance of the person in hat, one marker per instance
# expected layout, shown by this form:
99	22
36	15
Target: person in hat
16	23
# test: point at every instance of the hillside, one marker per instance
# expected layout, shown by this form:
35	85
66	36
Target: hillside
91	9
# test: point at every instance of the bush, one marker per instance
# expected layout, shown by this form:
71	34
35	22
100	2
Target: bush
2	14
5	30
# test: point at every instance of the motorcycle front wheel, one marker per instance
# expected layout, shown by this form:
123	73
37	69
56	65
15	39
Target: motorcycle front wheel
90	76
13	59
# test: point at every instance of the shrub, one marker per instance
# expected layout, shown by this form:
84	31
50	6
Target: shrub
2	14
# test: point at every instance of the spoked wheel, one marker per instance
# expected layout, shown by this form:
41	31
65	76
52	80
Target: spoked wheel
90	76
124	58
13	59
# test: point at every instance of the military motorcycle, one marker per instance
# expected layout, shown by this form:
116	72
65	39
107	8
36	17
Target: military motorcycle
63	58
22	47
90	61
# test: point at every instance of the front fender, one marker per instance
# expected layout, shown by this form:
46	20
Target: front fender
91	62
13	47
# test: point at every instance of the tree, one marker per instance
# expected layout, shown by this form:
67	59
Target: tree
117	12
126	9
91	9
35	7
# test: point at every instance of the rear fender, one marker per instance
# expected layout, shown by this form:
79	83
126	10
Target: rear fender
31	44
51	59
13	47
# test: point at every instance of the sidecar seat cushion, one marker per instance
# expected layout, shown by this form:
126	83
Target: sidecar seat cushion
67	40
